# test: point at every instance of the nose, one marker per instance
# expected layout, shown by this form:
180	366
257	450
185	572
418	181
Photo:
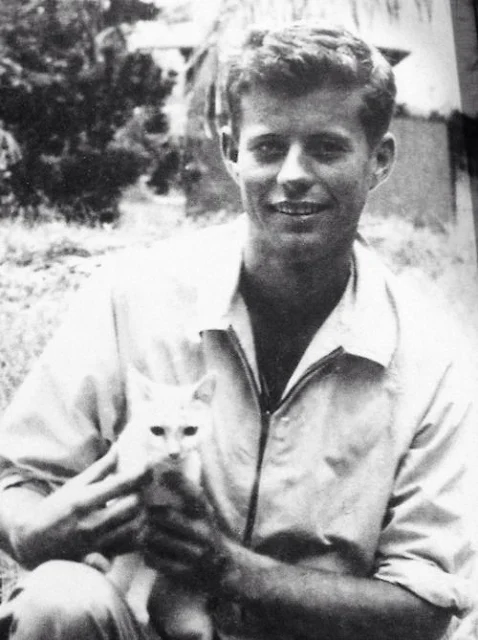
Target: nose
173	450
296	175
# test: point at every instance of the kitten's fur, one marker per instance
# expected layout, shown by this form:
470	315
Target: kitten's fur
167	424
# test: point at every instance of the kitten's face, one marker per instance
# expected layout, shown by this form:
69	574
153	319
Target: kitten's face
175	423
170	421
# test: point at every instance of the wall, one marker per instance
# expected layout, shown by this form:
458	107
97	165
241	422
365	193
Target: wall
421	185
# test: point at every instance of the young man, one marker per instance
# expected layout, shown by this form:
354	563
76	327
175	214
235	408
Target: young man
335	479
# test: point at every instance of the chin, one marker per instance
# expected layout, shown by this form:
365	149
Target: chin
303	244
312	247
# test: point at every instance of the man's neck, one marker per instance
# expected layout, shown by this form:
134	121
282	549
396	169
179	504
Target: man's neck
295	288
288	301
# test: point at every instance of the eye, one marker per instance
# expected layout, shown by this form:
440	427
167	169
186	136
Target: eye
268	150
327	150
190	431
156	430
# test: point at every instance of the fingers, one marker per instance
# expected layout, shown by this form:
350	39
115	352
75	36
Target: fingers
123	539
177	523
162	545
99	469
169	555
173	543
193	501
112	487
173	538
115	513
119	518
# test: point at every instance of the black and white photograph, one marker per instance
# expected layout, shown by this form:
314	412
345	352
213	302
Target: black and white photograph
238	320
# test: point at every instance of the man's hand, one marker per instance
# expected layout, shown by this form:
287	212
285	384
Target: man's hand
98	510
185	542
279	598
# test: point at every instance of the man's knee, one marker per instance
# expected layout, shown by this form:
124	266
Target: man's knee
64	598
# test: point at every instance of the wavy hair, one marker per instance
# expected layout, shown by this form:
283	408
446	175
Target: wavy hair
302	57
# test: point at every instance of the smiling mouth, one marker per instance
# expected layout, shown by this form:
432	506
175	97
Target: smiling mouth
298	208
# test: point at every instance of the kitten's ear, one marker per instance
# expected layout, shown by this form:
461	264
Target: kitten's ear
140	388
204	389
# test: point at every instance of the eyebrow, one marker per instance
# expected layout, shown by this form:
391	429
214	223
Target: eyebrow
330	136
264	137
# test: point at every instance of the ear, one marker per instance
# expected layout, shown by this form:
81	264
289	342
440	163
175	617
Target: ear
204	389
139	387
229	151
383	160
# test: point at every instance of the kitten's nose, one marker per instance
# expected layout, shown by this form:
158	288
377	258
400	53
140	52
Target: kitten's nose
174	455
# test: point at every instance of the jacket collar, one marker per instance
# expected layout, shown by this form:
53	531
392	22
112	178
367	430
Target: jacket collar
219	282
364	322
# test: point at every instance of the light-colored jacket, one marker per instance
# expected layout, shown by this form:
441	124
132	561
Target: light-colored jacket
361	469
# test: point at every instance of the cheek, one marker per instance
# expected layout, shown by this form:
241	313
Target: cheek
255	187
189	444
254	177
349	184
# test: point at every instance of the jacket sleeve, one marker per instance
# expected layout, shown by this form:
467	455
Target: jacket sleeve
427	542
63	416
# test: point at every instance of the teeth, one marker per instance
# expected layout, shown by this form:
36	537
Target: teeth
297	208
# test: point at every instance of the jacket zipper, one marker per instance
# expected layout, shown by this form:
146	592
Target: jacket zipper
262	401
321	365
254	499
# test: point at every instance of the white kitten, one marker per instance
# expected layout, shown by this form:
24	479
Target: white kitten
166	426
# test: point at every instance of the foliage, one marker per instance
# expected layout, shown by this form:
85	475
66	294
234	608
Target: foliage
85	185
144	136
67	83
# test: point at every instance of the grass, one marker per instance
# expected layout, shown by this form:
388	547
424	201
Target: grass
442	262
40	267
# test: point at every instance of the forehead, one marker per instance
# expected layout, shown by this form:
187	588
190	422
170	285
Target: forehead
327	108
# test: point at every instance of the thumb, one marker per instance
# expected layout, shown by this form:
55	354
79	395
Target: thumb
100	469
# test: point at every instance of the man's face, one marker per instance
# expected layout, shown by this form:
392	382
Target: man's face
304	168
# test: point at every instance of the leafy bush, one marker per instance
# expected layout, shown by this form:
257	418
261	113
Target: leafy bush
67	84
145	133
86	185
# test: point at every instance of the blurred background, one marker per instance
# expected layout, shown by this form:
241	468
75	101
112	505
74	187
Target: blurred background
99	95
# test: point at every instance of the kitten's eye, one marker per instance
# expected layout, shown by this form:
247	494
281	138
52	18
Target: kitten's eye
157	430
190	431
